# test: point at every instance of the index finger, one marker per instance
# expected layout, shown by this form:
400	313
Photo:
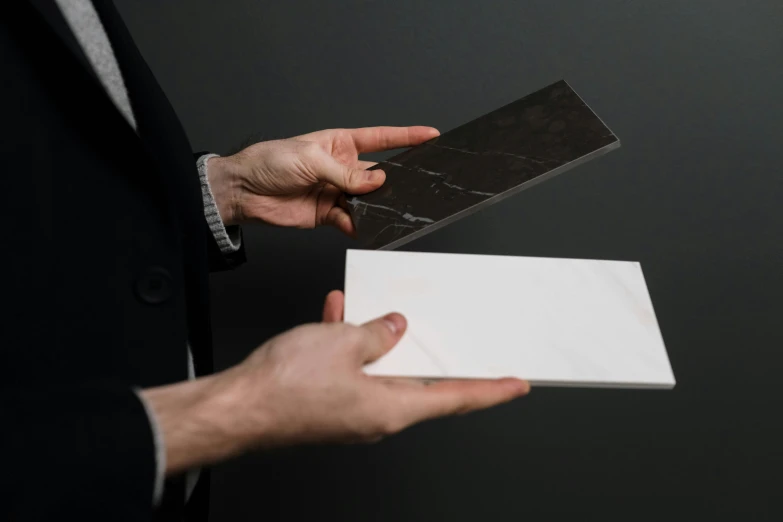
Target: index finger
334	306
375	139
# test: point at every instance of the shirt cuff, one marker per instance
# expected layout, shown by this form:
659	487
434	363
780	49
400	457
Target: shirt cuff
228	238
160	451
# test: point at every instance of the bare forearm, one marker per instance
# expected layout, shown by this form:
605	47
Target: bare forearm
307	386
198	422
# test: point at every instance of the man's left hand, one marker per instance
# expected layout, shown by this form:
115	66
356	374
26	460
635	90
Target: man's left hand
299	182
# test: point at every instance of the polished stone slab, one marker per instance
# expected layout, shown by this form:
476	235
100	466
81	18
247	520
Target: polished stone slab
554	322
478	164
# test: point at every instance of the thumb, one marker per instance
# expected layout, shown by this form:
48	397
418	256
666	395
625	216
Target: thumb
348	179
380	336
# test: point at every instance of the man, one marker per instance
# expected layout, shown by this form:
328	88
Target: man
110	408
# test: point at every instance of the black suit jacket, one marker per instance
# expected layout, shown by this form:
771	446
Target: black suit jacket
105	263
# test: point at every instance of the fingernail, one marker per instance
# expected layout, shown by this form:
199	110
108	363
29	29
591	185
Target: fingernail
395	323
374	175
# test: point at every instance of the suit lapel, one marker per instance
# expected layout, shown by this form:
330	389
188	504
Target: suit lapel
159	132
158	125
160	138
53	18
169	149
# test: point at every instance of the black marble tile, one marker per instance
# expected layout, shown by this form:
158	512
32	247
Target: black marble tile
479	163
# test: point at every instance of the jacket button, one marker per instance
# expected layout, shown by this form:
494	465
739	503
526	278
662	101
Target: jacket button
154	286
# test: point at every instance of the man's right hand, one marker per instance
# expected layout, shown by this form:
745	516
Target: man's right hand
307	386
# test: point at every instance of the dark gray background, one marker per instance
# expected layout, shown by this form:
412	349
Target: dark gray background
695	92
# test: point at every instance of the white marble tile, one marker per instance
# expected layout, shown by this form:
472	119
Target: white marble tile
557	322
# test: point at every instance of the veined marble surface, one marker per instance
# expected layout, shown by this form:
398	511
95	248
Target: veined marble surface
557	322
478	164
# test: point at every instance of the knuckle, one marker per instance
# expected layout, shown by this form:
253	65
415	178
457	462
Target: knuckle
463	408
310	147
378	427
353	335
375	430
379	330
351	175
309	151
350	337
389	425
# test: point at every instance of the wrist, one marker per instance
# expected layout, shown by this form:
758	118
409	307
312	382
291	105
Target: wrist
198	421
225	181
